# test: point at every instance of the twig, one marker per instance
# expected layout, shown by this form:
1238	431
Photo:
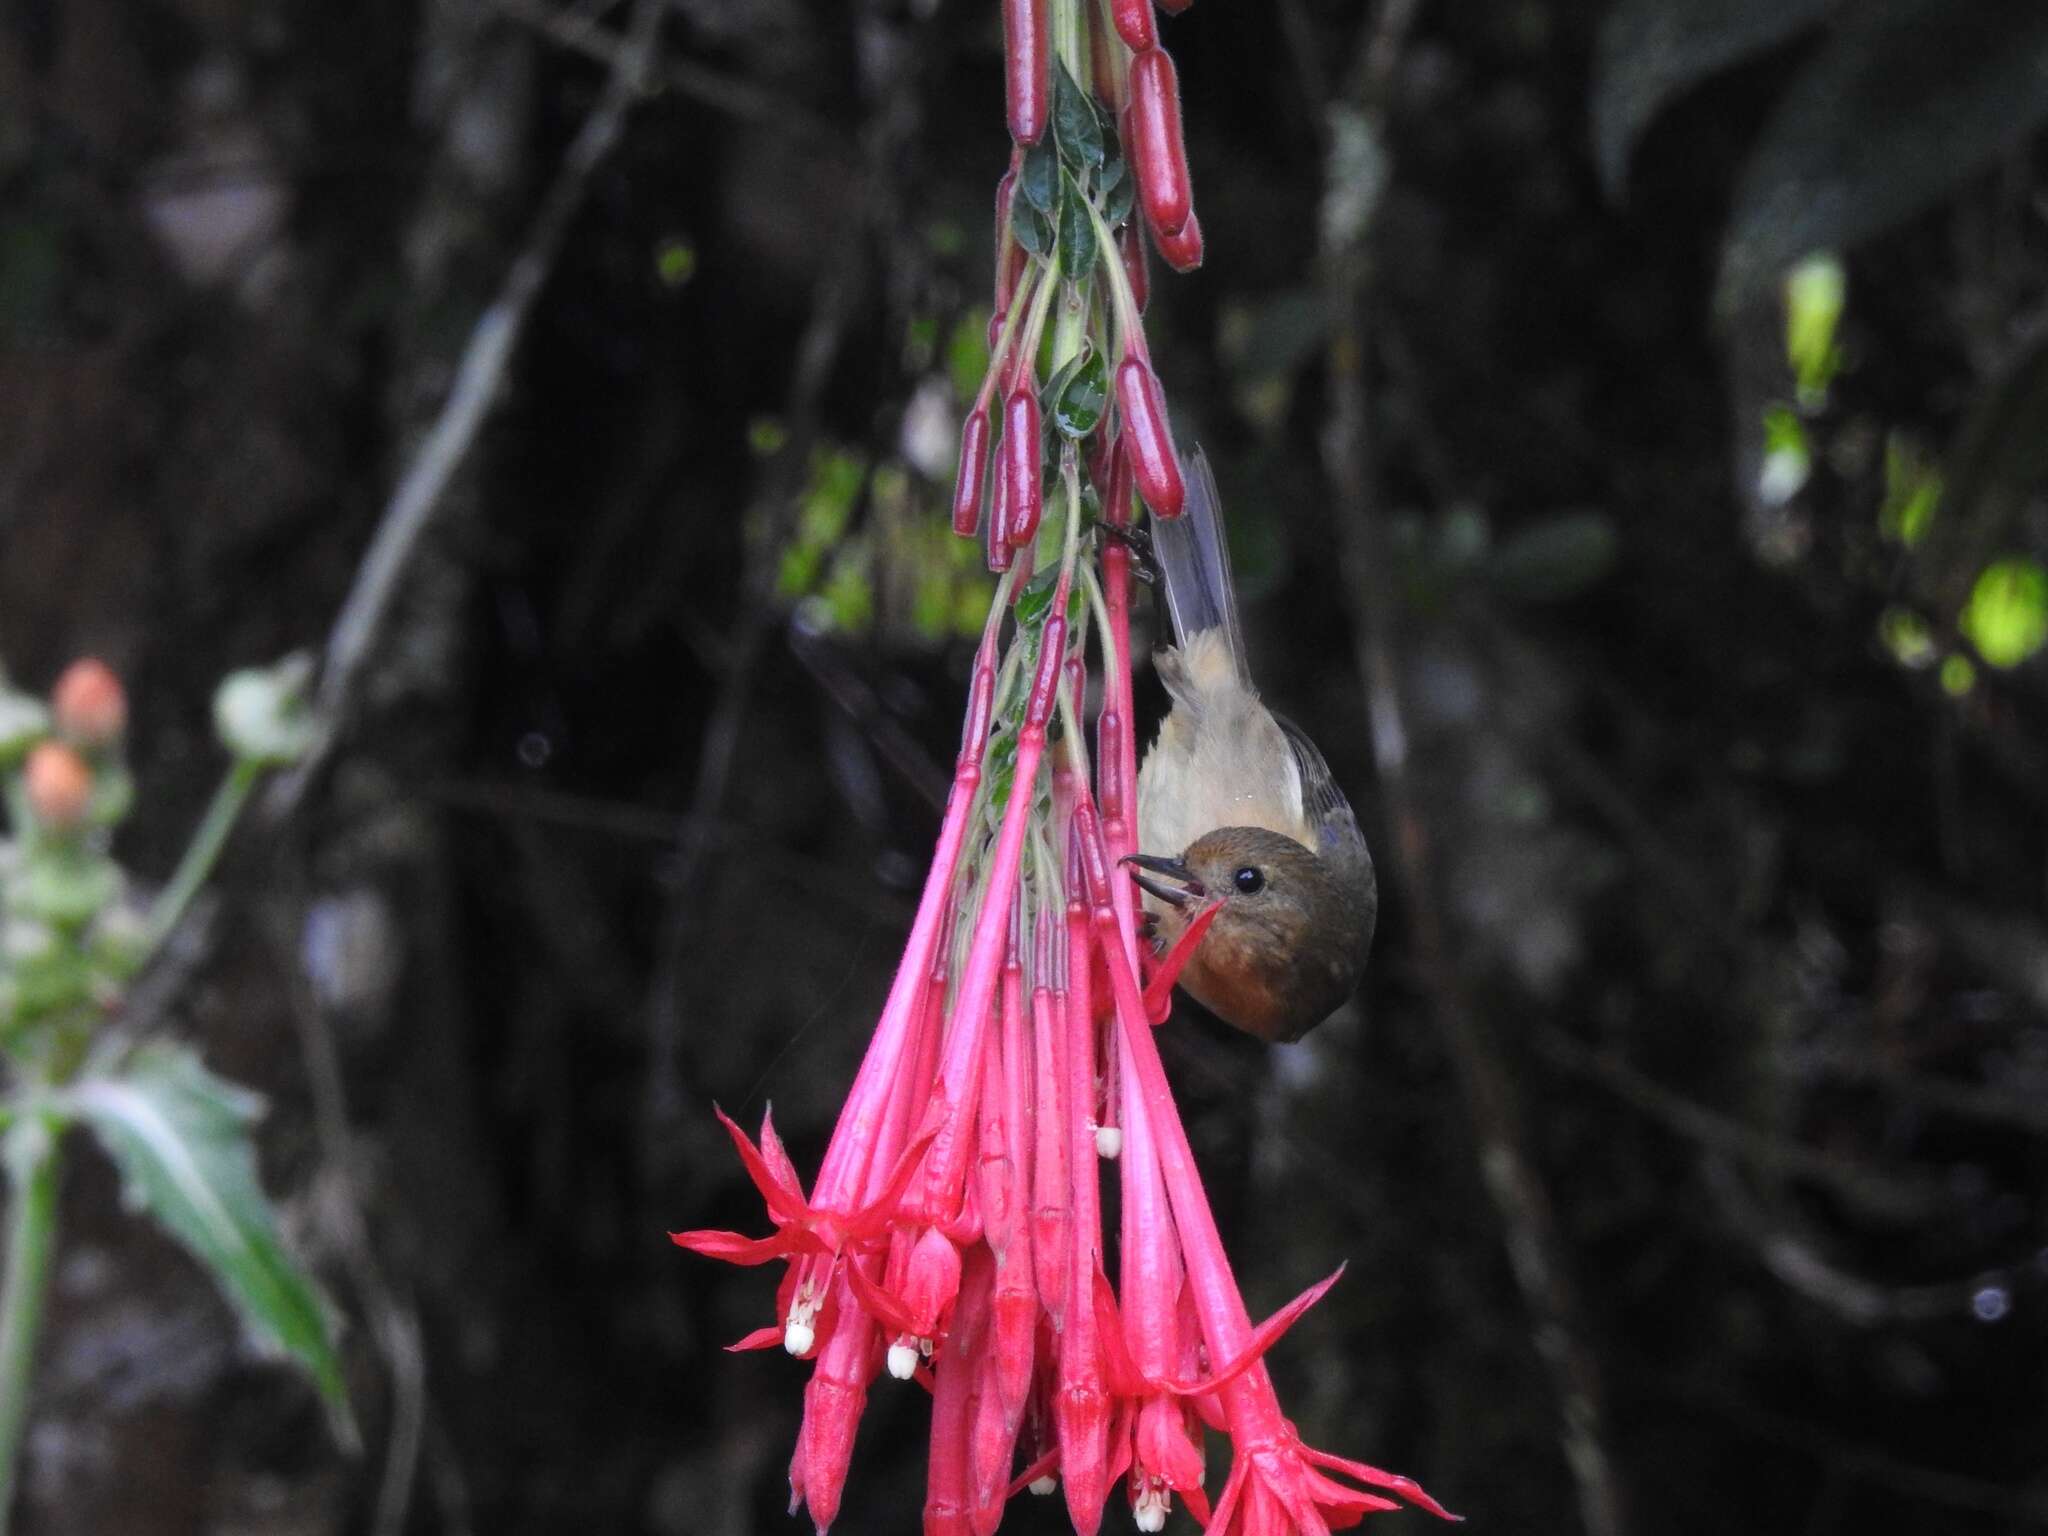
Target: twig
1507	1164
1800	1267
1891	1197
394	1324
492	343
580	33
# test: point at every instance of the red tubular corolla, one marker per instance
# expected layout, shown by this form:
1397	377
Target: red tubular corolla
1134	23
1147	439
1027	50
1157	151
1182	250
967	484
1022	496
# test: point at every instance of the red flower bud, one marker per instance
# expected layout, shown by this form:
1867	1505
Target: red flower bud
58	784
1019	469
1116	504
1011	258
1157	151
1147	439
91	708
973	471
931	1283
1183	248
998	530
1131	246
1134	24
1027	53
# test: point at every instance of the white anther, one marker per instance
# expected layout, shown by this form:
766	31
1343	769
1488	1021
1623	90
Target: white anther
1149	1513
798	1336
902	1360
1042	1486
1109	1145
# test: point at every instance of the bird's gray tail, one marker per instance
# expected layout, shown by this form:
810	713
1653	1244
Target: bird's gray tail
1194	563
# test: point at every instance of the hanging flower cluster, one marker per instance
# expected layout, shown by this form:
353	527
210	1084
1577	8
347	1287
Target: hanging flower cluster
954	1232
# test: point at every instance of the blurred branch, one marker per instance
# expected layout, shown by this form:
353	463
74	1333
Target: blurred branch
1895	1198
1798	1263
492	343
582	34
1354	158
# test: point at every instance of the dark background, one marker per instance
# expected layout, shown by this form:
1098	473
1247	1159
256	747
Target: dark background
1691	1121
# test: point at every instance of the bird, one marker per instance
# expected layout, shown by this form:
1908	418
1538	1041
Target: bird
1237	806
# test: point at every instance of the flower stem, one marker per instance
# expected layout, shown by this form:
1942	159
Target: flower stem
31	1239
203	852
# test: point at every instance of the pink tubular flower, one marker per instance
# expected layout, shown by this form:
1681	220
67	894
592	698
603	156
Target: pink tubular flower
953	1234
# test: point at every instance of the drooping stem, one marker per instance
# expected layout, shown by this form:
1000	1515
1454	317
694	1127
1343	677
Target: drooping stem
31	1239
204	851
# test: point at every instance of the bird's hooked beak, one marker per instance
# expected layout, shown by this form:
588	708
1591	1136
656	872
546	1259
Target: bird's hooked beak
1188	890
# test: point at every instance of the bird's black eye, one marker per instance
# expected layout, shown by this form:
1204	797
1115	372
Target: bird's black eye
1249	881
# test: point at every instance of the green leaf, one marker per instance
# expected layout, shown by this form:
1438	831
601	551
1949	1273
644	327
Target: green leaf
1117	197
1039	181
1652	51
2007	615
1032	603
180	1137
1074	122
1077	234
1906	99
1032	228
23	722
1912	492
1077	409
1815	291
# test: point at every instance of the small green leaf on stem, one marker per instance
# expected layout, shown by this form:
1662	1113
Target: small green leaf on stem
1077	409
1032	228
1074	122
1039	181
1119	191
1077	233
180	1137
23	722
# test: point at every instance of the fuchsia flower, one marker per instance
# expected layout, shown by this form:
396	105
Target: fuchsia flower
954	1231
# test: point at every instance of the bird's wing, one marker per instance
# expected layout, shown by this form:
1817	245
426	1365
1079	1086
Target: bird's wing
1194	564
1322	802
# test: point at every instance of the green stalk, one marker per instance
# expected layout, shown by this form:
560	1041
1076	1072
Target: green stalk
31	1239
203	852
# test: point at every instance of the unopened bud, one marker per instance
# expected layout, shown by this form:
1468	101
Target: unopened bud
58	784
90	704
1148	438
261	713
1182	250
1158	151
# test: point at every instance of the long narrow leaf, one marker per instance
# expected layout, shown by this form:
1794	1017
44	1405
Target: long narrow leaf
181	1139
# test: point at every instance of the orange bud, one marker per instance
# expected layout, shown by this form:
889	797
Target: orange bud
59	785
90	705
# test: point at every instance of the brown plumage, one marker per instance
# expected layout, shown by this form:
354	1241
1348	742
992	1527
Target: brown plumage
1234	802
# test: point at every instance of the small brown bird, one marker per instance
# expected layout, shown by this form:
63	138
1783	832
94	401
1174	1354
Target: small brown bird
1249	804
